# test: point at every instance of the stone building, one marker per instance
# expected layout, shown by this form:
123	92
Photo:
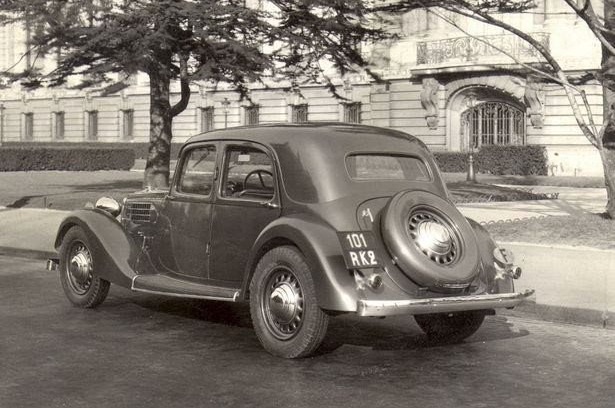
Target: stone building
444	85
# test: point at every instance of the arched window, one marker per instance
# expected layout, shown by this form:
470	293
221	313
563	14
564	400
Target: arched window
494	123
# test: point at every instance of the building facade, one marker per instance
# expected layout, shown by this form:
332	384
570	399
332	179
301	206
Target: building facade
453	82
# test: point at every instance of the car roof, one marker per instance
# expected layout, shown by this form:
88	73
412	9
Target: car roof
277	133
312	155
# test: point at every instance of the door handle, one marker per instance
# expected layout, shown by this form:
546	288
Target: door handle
269	204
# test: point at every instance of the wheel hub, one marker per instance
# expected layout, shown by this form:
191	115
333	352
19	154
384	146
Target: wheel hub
283	303
80	267
434	236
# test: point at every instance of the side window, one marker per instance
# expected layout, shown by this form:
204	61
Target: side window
248	174
197	173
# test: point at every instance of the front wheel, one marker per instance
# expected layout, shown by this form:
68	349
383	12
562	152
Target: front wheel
283	306
81	285
450	327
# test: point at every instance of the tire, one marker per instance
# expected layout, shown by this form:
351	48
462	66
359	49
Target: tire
450	327
77	271
297	328
425	261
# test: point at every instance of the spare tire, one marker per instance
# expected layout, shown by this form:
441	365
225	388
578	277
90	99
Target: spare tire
430	240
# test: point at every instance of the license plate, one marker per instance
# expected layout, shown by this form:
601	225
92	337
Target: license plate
359	249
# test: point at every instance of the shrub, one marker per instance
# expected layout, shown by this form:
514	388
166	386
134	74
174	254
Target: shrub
452	162
63	158
510	160
140	149
513	160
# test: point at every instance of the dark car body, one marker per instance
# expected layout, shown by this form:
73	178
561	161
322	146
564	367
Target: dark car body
301	186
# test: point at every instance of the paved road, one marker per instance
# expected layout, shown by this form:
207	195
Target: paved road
148	351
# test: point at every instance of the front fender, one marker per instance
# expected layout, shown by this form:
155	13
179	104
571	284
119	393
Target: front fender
114	252
334	284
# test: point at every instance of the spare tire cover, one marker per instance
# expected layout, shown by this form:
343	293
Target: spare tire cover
430	240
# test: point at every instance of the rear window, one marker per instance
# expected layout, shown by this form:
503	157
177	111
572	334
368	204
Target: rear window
386	167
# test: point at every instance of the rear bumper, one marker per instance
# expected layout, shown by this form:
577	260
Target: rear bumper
441	305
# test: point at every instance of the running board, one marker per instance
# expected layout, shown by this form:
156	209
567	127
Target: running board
166	285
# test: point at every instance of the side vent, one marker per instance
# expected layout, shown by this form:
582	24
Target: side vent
139	212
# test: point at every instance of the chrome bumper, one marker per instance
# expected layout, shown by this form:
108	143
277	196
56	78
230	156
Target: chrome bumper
441	305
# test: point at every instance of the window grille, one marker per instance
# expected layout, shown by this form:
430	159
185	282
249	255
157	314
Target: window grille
352	112
29	126
128	123
299	113
207	119
92	125
252	115
59	125
494	123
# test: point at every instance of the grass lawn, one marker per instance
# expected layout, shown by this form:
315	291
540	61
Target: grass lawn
591	230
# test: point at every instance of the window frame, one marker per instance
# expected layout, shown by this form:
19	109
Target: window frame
92	130
274	201
295	110
251	112
59	125
28	126
128	124
348	112
184	158
207	122
430	171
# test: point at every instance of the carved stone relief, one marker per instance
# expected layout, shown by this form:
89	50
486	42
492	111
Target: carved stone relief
534	100
429	101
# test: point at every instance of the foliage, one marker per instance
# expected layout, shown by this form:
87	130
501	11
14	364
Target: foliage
452	162
140	149
58	158
514	160
527	160
234	42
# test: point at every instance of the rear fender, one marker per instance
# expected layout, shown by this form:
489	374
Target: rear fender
114	252
335	285
495	282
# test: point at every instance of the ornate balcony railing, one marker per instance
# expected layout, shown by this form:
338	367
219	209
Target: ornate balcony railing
470	49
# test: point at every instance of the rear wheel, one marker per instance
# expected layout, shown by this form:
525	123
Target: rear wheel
450	327
79	281
283	306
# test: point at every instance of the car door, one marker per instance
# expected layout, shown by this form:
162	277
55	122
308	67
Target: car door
188	208
247	201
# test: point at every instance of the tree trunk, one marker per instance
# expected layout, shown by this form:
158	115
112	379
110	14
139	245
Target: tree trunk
607	143
157	168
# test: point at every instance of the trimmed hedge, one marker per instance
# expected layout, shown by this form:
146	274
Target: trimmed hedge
63	158
527	160
499	160
140	149
452	162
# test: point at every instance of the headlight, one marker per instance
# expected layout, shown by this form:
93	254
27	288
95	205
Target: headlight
109	205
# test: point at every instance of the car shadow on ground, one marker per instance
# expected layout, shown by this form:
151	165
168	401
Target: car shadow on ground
394	333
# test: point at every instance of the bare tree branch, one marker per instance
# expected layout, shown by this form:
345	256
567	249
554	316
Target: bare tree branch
586	12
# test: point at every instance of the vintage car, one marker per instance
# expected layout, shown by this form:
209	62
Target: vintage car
304	222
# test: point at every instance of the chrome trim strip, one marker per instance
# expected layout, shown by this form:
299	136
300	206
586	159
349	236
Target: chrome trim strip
441	305
183	295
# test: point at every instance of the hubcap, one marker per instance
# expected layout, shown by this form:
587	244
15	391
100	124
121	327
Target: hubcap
283	304
434	236
79	268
